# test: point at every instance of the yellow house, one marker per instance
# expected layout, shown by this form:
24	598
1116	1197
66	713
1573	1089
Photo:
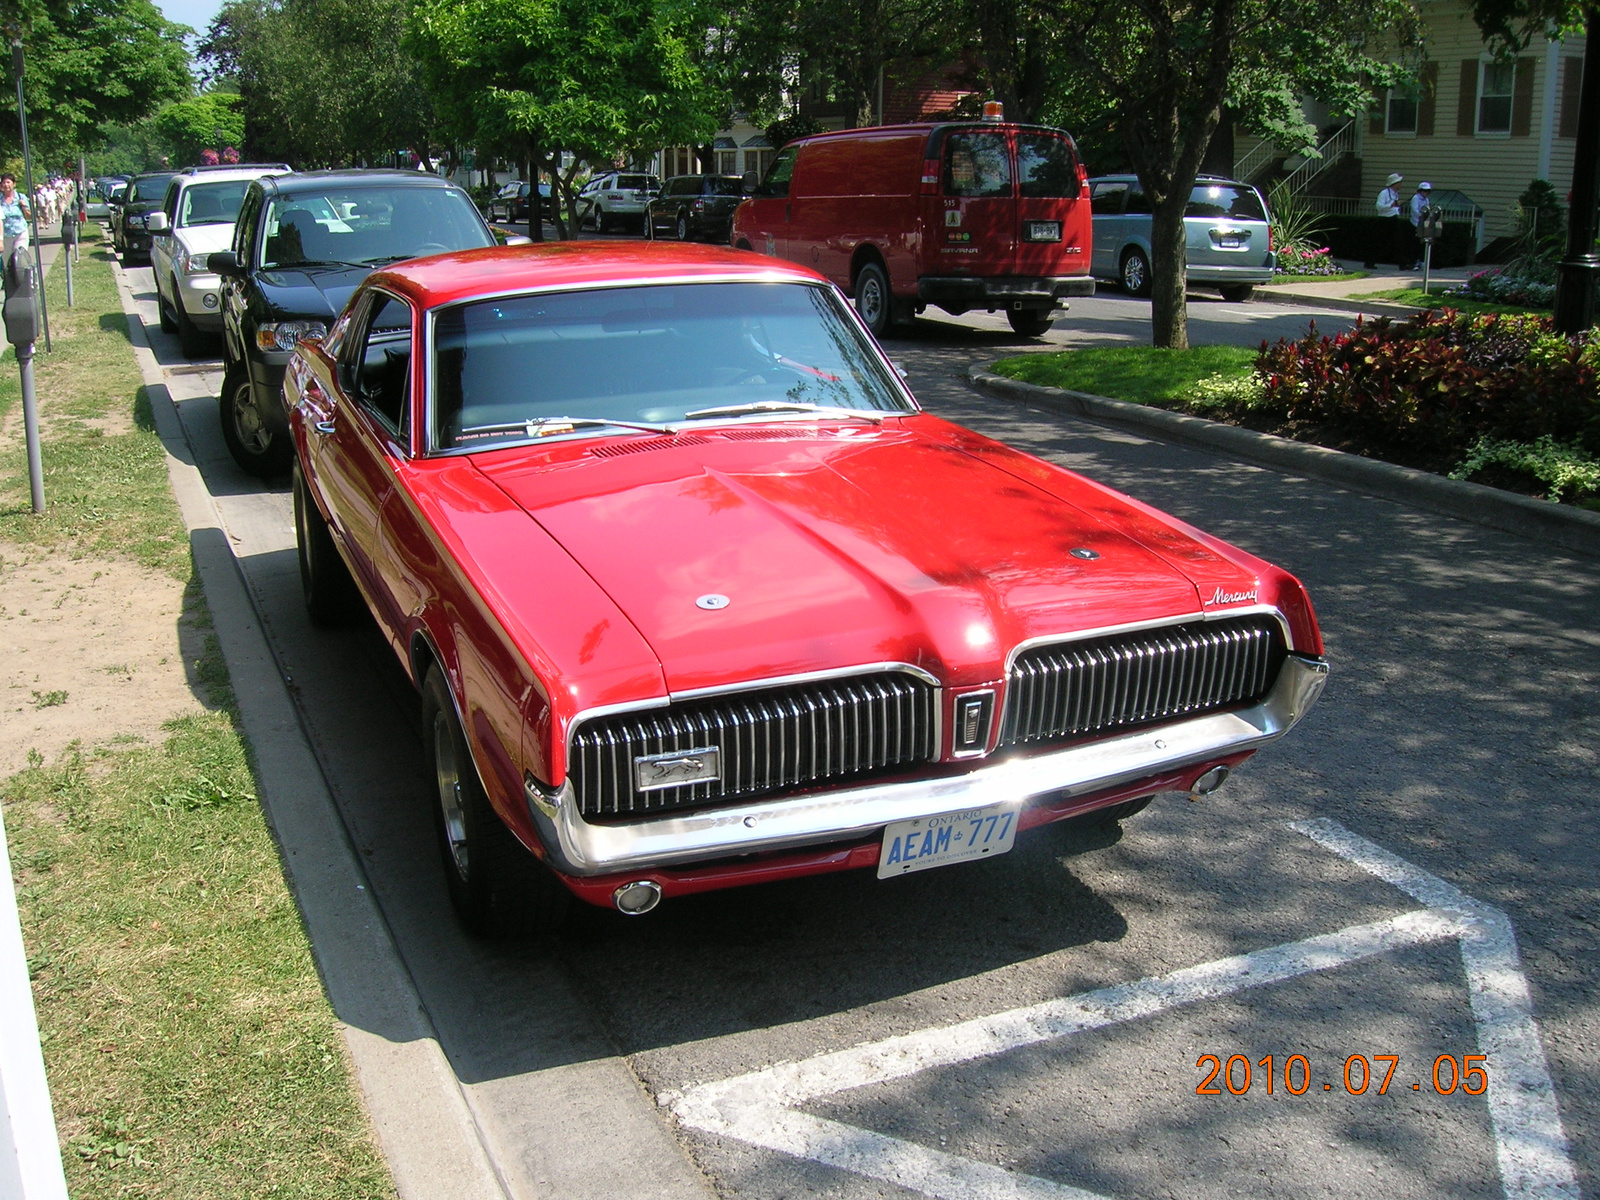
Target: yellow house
1475	125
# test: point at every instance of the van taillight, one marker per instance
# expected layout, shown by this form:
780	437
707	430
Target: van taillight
1083	180
1269	237
930	177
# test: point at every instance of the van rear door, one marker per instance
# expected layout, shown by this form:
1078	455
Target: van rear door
975	226
1054	232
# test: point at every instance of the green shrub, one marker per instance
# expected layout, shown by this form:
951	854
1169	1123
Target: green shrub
1569	473
1437	383
1226	391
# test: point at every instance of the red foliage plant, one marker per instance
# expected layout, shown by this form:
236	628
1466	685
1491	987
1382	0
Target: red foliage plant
1437	382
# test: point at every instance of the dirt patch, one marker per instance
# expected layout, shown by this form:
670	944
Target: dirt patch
94	650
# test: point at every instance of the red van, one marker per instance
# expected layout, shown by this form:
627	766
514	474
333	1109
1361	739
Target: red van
962	215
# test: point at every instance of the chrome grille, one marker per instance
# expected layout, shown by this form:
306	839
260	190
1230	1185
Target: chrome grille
769	739
1077	689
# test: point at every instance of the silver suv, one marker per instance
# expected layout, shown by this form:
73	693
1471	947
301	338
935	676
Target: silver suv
607	200
1228	242
196	217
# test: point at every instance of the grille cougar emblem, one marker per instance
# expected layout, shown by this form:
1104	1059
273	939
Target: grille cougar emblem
677	768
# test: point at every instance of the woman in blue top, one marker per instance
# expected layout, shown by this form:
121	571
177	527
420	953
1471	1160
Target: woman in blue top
14	214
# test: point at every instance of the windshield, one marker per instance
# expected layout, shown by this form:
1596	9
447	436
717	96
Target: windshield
725	186
147	188
1225	200
211	203
651	355
364	226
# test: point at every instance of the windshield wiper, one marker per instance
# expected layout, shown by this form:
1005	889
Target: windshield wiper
384	262
780	406
538	427
317	262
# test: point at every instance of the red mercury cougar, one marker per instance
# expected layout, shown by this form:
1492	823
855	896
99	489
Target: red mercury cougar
696	596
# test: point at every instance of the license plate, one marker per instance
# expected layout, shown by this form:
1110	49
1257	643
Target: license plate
1043	231
950	838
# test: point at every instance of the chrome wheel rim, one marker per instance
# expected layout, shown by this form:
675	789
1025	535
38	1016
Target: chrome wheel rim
253	433
448	777
1133	273
683	229
869	300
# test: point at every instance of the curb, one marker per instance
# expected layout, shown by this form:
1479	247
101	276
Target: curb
420	1116
1573	529
1371	308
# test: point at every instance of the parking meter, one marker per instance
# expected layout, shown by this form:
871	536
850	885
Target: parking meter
1430	223
21	313
69	226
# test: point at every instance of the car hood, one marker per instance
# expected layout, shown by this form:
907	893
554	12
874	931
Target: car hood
319	292
206	239
843	545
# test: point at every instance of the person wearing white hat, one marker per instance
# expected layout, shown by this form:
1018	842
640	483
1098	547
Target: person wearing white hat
1419	202
1388	205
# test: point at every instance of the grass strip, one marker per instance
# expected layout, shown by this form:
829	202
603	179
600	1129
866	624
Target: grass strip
190	1048
1434	298
1140	374
105	479
1342	277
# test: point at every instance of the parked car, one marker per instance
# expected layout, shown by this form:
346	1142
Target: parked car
195	219
301	245
1228	238
129	237
696	596
694	206
962	215
511	202
616	198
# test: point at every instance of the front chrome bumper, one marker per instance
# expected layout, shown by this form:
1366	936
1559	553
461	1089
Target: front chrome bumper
575	847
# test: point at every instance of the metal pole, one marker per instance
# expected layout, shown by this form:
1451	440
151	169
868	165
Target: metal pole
1578	271
1427	265
30	422
33	209
73	216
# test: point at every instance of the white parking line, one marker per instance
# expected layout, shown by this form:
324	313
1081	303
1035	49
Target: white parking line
759	1108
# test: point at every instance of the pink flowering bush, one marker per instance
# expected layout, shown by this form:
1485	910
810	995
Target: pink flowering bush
1293	260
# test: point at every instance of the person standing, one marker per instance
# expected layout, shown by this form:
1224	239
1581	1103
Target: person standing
1420	201
14	214
1388	205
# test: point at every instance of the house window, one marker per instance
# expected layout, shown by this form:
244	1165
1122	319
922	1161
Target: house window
727	162
1402	115
1495	86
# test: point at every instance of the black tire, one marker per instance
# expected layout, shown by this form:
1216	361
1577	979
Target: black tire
254	444
1030	322
1136	273
497	888
601	224
192	340
683	227
168	325
874	301
330	593
1237	293
649	226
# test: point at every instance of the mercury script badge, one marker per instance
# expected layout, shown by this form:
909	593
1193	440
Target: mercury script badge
1223	597
653	771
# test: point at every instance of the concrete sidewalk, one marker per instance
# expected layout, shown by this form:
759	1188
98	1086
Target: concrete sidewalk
1339	292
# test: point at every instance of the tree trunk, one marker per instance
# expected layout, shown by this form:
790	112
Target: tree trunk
531	174
1169	315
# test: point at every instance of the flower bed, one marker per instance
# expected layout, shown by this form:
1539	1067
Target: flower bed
1294	261
1498	287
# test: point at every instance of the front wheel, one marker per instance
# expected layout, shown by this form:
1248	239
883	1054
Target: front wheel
191	338
1030	322
873	298
251	440
330	593
1237	293
168	325
1136	273
683	228
497	888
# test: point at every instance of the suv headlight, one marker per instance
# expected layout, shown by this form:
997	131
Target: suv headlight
193	263
282	335
135	220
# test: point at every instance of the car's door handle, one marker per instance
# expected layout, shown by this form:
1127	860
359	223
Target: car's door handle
323	427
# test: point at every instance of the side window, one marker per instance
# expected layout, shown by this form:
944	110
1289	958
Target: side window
776	181
246	226
1107	199
382	366
169	202
977	164
1138	202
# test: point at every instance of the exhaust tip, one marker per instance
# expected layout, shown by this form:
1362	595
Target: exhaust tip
1210	781
637	898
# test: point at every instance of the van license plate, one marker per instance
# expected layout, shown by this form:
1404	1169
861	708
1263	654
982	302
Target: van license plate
1042	231
953	837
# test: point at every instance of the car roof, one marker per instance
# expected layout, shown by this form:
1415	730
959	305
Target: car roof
229	174
1130	177
500	270
312	181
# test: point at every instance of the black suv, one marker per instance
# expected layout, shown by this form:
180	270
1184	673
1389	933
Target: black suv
129	237
693	206
302	244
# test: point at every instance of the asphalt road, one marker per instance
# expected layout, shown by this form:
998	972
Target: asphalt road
1458	732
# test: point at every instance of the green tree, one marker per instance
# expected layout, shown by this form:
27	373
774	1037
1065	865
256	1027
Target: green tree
594	78
89	62
212	120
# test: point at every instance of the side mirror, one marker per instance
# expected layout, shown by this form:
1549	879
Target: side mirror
517	239
751	179
158	223
224	262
